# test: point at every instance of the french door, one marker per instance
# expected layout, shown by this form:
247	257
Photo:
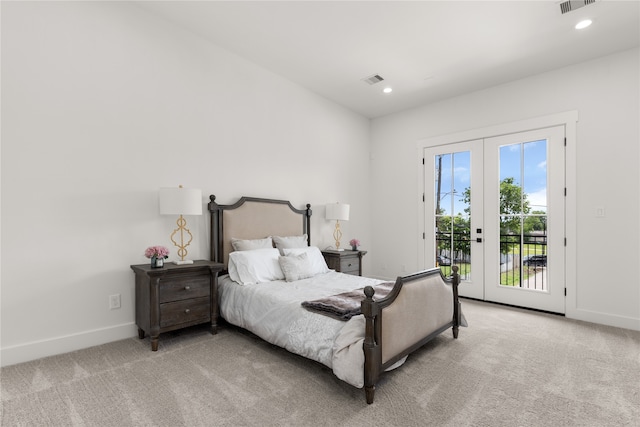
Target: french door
497	210
454	213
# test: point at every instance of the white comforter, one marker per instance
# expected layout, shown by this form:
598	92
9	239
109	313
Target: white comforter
273	312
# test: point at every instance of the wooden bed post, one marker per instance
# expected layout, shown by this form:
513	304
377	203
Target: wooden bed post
307	223
456	303
371	346
216	235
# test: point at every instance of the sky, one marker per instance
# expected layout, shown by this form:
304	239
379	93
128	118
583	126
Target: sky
526	162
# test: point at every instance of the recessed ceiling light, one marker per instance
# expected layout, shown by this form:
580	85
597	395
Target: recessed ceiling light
583	24
387	90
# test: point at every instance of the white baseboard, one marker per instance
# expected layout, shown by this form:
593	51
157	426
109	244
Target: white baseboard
604	318
65	344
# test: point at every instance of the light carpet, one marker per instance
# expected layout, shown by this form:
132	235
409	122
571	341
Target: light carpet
510	367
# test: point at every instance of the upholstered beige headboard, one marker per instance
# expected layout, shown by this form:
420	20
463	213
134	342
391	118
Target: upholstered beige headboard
254	218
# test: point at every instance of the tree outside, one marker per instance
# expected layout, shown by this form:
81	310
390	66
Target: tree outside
517	221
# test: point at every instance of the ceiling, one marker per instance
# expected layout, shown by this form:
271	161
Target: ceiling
425	50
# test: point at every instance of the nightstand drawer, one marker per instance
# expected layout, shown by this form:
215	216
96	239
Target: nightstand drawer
348	262
183	287
185	311
350	265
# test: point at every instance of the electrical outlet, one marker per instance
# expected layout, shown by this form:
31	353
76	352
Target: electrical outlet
114	301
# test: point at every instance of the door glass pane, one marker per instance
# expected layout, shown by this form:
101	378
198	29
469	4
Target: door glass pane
523	215
453	213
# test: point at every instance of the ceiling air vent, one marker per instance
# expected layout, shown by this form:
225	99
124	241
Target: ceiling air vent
570	5
373	79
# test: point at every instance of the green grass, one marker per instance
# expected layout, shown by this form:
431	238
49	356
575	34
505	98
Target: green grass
511	278
527	249
507	278
464	269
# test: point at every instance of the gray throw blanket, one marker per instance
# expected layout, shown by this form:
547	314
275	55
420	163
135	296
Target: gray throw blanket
347	304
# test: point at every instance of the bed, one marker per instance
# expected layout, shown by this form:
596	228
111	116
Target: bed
278	286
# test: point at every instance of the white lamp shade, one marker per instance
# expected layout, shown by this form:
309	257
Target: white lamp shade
180	201
338	211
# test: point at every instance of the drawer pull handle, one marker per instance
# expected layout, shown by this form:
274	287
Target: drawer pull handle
186	288
349	265
187	311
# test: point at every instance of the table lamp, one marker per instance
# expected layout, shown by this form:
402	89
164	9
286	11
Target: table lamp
181	201
338	212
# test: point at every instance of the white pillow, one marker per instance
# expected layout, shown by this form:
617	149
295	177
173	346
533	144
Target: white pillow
296	267
290	242
318	264
256	266
249	245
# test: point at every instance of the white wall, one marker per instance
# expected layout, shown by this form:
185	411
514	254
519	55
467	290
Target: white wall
606	95
102	104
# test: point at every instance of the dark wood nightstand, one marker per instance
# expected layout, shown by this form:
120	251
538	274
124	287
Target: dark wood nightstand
349	262
176	296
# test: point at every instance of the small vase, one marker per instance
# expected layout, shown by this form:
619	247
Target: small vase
157	262
354	248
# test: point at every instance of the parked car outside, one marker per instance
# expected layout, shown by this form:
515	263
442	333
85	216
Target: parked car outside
535	261
443	261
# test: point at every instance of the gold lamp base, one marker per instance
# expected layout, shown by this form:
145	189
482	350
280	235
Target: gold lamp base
182	246
337	235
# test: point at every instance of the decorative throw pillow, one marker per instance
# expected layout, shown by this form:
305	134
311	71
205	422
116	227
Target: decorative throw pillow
255	266
296	267
249	245
290	242
318	264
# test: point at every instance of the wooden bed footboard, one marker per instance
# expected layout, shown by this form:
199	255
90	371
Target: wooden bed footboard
419	307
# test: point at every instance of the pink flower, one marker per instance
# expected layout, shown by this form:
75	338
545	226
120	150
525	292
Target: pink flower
156	251
354	242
